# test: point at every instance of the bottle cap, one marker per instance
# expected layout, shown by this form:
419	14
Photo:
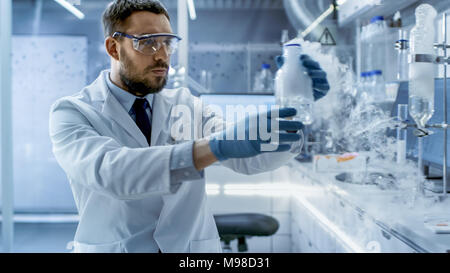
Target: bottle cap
376	19
293	45
265	66
377	72
363	74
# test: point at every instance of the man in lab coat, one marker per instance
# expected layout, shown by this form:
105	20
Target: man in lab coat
137	185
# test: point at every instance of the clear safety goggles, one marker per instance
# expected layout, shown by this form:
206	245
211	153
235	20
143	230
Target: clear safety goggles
149	44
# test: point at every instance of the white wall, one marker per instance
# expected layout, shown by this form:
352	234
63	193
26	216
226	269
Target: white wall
45	68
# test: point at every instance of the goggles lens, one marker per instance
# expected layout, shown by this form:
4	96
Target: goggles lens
151	45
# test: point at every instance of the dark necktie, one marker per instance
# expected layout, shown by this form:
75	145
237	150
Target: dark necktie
142	120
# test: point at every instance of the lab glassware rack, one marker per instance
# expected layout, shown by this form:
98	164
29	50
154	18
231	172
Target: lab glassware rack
445	61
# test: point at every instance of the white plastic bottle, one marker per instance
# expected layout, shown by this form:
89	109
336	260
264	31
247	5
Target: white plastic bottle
421	75
293	86
264	80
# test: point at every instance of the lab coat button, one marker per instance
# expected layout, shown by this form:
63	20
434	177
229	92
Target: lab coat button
187	173
182	163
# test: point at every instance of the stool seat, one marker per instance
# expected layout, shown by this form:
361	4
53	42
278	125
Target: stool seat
251	224
240	225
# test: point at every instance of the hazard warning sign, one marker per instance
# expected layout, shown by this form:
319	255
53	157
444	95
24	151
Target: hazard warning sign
326	38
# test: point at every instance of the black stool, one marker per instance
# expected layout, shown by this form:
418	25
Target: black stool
241	225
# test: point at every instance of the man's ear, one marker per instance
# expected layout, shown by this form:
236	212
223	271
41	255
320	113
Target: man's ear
112	47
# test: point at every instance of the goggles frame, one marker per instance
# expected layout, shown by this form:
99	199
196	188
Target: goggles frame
137	39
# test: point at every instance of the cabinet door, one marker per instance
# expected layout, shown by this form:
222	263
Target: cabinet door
304	230
324	239
390	244
295	237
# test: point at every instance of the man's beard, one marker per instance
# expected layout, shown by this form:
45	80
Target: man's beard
136	84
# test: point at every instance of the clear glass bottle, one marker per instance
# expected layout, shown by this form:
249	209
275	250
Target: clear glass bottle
378	91
378	43
421	75
365	48
378	86
402	46
264	80
362	88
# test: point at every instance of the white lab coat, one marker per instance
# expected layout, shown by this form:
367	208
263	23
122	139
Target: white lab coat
121	185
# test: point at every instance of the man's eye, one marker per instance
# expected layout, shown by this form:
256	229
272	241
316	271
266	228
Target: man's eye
149	42
168	42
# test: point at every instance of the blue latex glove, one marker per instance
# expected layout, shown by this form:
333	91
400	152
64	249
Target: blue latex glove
318	76
224	148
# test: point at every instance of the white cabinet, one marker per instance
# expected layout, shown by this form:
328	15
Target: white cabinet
332	225
281	243
313	219
307	235
283	218
324	239
257	245
391	244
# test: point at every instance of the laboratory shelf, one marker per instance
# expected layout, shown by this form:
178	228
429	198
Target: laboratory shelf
385	217
352	10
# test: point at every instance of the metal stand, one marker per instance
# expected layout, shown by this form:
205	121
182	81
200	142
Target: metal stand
444	47
443	60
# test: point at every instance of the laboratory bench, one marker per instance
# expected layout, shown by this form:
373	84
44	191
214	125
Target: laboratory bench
328	215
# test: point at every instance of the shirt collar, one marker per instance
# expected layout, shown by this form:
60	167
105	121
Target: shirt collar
125	98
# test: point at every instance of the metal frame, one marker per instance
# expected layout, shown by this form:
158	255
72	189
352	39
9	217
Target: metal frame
183	31
6	125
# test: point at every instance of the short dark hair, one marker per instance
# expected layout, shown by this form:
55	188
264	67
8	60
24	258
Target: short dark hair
119	10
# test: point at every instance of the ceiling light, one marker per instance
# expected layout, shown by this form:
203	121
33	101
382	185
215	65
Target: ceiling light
71	8
191	8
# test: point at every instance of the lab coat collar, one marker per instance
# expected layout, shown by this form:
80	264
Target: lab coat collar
112	108
115	110
125	98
